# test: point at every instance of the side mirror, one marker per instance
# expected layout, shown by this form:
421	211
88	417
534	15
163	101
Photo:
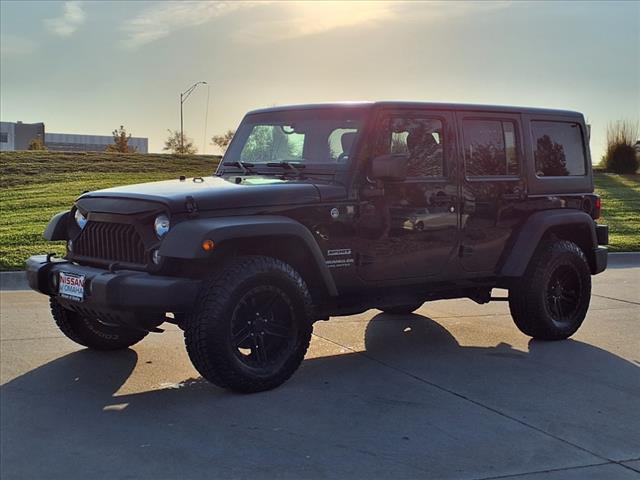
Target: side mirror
389	167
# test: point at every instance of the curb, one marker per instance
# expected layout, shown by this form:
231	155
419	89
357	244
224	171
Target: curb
623	260
13	281
10	281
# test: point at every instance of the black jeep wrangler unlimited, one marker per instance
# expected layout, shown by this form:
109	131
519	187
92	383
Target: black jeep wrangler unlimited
325	210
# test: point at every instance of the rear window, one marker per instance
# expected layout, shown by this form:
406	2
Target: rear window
558	149
490	148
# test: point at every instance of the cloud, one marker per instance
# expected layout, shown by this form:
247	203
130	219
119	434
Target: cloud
164	18
312	18
305	18
12	46
66	24
296	19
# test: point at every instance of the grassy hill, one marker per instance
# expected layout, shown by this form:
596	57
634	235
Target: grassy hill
36	185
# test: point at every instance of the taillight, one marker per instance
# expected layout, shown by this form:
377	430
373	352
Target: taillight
597	207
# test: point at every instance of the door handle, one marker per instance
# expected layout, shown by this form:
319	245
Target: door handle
468	207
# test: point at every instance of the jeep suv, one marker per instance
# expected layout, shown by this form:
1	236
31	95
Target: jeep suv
328	210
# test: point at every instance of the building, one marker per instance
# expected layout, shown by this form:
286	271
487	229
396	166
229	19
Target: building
17	136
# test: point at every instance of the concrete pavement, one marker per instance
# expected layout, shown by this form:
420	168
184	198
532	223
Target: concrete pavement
454	391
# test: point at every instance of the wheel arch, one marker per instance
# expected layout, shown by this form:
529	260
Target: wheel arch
270	235
57	227
573	225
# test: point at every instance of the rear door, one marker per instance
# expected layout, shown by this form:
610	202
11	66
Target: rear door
492	186
412	230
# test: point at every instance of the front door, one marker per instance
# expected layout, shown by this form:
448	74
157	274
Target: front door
411	230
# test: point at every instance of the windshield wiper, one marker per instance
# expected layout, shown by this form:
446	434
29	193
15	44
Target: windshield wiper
246	167
295	168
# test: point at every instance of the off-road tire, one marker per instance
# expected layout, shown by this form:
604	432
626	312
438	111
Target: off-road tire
529	301
208	328
90	332
401	309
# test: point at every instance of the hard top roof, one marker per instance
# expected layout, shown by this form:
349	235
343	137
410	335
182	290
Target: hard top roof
419	105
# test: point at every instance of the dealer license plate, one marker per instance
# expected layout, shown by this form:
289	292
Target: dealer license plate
71	286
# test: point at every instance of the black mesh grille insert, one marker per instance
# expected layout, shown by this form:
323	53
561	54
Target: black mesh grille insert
113	242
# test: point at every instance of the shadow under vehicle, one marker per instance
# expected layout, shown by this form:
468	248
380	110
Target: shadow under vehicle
401	407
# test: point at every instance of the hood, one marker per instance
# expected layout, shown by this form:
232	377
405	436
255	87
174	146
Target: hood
209	193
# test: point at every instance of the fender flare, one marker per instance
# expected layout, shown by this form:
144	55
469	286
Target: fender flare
533	230
185	239
57	227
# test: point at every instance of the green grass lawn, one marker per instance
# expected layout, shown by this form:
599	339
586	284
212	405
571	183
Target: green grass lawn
620	209
36	185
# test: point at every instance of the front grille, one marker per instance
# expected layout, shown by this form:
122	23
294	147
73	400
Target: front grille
113	242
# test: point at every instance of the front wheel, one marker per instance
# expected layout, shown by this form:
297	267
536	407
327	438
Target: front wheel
550	302
91	332
251	325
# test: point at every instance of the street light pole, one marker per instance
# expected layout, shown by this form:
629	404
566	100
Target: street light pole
183	98
181	127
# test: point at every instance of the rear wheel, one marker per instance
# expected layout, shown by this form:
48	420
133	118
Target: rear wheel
251	326
550	302
91	332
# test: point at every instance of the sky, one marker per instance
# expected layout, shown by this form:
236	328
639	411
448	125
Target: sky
89	67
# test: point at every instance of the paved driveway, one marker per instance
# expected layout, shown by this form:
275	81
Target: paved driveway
454	391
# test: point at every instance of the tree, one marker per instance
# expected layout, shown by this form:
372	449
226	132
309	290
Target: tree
120	141
174	145
223	141
36	144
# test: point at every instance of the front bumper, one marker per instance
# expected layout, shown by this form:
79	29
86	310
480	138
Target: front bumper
124	296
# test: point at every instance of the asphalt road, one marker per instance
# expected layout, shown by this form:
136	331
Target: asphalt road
454	391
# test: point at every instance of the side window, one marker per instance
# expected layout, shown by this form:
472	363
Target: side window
341	141
490	148
558	149
4	137
420	139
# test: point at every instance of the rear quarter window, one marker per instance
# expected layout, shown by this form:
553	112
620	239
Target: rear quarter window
558	149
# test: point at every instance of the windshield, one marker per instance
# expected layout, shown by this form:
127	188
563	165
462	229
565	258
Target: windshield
305	137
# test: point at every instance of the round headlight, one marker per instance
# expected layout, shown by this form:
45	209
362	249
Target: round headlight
161	225
81	220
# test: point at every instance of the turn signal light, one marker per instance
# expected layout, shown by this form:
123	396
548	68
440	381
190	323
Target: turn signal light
208	245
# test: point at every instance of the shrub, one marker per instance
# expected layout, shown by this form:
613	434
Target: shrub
620	156
36	144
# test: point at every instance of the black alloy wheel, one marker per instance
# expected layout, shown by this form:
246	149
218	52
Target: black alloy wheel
563	293
263	330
